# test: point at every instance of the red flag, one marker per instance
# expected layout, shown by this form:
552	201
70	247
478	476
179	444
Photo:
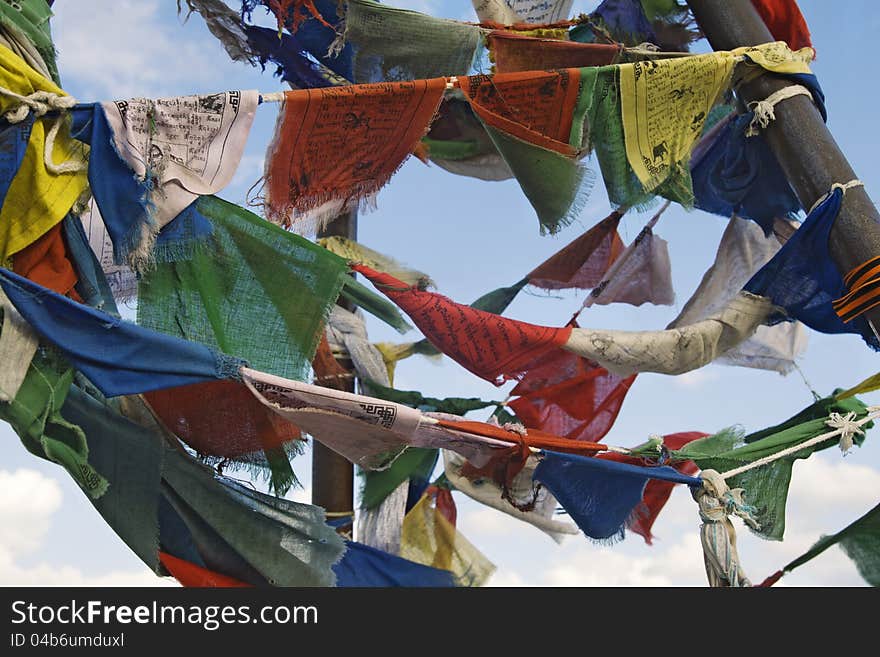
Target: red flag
786	23
570	396
492	347
191	575
583	262
656	492
514	52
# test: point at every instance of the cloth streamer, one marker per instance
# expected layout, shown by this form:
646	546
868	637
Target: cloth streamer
598	494
536	123
18	344
189	575
677	350
225	425
785	22
859	540
414	463
430	539
390	44
346	332
357	252
51	176
246	267
336	147
742	251
801	280
289	13
46	262
569	396
147	136
522	489
380	526
369	432
34	412
512	52
119	357
91	286
583	262
766	487
657	491
27	21
363	566
740	175
492	347
122	282
226	25
509	12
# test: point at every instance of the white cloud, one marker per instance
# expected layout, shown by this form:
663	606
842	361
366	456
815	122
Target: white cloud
26	506
139	55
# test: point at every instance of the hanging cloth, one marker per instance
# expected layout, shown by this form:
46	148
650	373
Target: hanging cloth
27	22
801	280
766	487
117	356
785	22
512	52
860	541
391	44
362	566
742	251
510	12
147	135
246	268
492	347
569	396
600	495
583	262
51	176
189	575
334	148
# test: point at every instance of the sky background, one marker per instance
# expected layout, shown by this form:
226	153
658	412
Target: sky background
471	237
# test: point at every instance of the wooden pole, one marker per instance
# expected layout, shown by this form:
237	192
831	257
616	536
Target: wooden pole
810	158
333	474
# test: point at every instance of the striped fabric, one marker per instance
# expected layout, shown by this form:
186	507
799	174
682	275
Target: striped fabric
863	285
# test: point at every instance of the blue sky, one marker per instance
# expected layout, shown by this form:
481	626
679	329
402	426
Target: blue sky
474	236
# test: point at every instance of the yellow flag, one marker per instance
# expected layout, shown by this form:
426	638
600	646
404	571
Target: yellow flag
431	540
664	103
37	199
870	384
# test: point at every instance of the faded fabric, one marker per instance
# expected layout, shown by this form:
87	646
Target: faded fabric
659	136
367	431
673	351
536	124
486	491
336	147
509	12
14	138
860	541
91	285
657	491
192	576
512	52
569	396
30	19
391	44
743	250
356	252
289	13
46	262
119	357
600	495
226	25
363	566
430	539
293	65
492	347
415	399
347	334
664	23
121	279
247	270
642	273
226	425
18	344
766	487
179	148
583	262
785	22
740	175
37	198
801	280
414	462
380	526
35	415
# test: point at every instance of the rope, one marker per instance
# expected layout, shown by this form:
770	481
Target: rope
844	426
764	112
841	186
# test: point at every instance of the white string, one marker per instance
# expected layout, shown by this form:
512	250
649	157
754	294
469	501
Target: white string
764	109
841	186
845	427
